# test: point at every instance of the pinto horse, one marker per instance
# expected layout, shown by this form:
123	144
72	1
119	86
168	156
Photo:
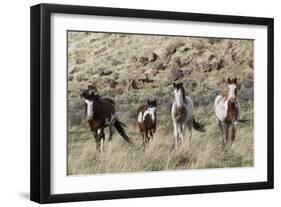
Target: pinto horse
101	113
147	120
183	115
227	108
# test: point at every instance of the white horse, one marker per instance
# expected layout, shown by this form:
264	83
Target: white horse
227	109
183	115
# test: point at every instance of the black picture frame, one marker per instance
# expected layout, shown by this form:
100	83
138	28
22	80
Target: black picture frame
41	99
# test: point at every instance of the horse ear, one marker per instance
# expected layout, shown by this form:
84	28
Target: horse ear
174	85
148	102
228	80
235	80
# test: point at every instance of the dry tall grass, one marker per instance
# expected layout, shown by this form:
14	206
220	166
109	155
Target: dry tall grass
206	150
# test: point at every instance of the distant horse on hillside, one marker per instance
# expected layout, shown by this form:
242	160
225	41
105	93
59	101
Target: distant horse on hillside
227	108
101	113
183	115
147	120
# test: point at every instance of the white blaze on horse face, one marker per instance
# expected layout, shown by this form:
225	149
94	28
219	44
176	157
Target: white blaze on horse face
231	92
152	111
90	111
178	97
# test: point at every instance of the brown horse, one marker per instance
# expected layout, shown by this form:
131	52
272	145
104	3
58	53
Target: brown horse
101	113
147	120
227	108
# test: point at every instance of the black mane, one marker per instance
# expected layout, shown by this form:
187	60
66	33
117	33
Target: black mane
183	94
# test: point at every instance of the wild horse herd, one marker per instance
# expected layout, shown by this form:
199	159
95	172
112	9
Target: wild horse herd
101	113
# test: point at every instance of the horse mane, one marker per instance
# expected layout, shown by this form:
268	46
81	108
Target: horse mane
106	99
97	97
99	101
183	94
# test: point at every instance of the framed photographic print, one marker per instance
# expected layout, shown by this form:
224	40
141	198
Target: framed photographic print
133	103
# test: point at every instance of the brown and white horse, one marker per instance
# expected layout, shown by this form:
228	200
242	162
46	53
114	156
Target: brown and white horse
147	120
101	113
183	115
227	108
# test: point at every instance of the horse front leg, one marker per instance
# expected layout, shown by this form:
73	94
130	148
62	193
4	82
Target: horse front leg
142	138
99	137
189	127
111	131
183	127
233	133
227	133
221	129
142	135
224	133
180	133
151	135
146	138
176	134
95	133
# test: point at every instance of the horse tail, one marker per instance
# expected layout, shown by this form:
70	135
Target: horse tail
120	128
198	126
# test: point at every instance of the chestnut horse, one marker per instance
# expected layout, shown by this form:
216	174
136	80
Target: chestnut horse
101	113
227	108
147	120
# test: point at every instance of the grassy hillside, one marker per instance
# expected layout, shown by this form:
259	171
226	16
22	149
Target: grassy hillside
115	64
